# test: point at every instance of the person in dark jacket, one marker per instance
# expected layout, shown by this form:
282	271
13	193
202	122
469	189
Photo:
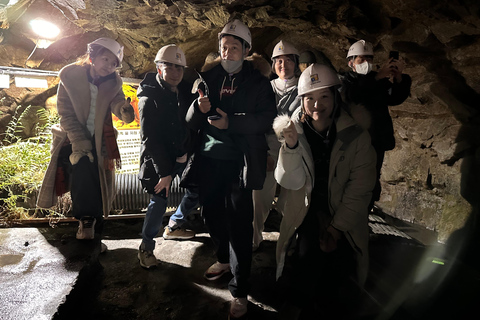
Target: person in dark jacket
232	118
163	102
371	93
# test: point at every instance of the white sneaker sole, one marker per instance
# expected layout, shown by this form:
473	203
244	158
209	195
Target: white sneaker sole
167	237
217	276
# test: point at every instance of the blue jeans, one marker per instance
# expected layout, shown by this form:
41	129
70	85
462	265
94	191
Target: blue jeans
189	202
154	216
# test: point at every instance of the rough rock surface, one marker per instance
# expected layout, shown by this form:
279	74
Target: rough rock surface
439	40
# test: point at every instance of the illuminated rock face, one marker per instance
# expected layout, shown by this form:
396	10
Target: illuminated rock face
440	44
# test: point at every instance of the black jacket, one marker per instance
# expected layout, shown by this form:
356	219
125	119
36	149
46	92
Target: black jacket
376	96
162	125
250	114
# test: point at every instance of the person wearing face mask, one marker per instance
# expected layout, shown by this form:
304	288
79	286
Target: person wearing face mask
164	98
84	150
369	93
232	118
326	164
285	66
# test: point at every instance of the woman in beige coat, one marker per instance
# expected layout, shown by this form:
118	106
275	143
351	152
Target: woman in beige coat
89	92
327	165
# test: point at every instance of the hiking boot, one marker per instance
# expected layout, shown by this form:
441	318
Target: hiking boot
177	234
86	228
216	270
147	259
238	308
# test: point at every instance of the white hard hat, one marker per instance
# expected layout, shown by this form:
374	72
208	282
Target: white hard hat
239	29
284	48
316	77
360	48
110	44
172	54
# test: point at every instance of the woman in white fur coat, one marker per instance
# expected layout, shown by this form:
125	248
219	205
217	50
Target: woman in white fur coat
327	165
89	92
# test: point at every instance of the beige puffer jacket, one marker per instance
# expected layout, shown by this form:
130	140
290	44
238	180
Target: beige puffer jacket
350	184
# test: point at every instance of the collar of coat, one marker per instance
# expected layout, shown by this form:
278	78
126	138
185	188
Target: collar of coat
257	61
75	80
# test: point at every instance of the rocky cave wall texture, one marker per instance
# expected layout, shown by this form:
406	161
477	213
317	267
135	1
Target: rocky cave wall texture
439	41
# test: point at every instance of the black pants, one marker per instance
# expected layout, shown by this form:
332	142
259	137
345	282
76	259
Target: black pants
377	190
325	274
228	213
85	190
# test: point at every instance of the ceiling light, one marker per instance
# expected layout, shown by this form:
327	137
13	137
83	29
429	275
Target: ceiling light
31	82
44	29
4	81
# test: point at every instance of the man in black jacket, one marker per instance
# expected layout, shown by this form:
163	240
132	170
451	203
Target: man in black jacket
232	153
163	102
375	91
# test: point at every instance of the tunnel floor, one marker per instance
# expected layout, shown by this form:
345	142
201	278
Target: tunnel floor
408	279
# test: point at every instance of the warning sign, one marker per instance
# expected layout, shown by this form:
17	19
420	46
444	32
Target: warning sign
128	139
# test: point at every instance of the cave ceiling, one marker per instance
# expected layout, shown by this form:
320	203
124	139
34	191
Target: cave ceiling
419	29
438	39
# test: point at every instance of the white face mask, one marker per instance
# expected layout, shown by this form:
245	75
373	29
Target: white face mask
363	68
231	66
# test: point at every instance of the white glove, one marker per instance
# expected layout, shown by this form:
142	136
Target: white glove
128	115
76	156
80	149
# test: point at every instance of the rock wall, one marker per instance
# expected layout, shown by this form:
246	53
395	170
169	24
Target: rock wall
439	41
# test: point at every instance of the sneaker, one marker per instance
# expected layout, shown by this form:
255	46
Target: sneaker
238	308
86	229
147	259
216	270
179	234
103	247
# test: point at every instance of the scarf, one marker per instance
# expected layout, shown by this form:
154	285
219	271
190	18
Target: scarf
112	160
283	86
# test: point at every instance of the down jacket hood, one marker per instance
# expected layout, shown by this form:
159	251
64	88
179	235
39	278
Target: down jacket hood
151	84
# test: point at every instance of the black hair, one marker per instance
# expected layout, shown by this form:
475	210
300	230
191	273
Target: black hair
243	42
338	104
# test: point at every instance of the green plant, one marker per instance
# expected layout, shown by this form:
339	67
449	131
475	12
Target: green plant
23	163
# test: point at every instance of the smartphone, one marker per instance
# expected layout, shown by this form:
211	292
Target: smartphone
393	54
214	117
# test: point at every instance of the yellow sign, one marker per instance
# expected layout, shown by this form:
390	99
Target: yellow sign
130	92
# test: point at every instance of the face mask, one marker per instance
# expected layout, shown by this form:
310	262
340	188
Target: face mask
231	66
363	68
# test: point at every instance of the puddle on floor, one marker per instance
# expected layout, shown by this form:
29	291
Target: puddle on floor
7	259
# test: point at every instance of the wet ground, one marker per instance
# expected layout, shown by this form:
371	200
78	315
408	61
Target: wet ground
45	273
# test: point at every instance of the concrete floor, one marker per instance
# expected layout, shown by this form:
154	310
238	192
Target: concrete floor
45	273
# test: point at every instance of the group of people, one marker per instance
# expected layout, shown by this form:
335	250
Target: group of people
316	137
